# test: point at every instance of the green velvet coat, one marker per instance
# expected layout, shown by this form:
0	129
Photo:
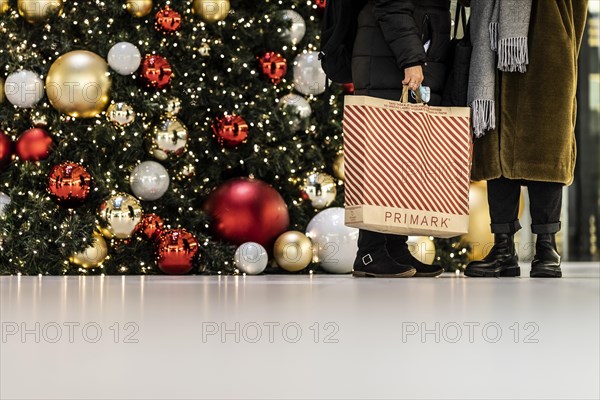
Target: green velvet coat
536	111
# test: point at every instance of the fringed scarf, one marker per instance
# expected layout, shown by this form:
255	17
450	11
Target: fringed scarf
499	30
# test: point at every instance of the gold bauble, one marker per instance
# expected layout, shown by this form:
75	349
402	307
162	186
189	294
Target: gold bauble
121	213
173	107
4	6
120	114
139	8
78	84
168	138
92	256
320	188
422	248
293	251
212	10
38	119
1	90
338	166
35	11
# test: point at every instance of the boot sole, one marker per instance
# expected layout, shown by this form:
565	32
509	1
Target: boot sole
545	273
362	274
429	274
505	272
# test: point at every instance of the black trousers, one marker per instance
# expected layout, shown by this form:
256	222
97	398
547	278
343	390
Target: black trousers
545	199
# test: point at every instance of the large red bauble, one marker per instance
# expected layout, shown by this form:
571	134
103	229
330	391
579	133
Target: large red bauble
167	20
34	145
156	72
273	66
7	148
176	251
69	184
150	227
247	210
230	130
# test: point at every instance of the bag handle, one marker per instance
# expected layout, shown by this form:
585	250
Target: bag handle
404	98
460	16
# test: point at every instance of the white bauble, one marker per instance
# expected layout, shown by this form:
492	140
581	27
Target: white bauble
251	258
149	181
24	88
309	77
335	245
4	202
298	107
124	58
296	32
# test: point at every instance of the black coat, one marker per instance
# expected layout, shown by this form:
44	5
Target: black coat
391	37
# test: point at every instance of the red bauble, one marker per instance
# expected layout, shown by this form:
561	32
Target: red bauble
156	72
348	88
321	4
273	66
151	227
247	210
7	148
230	130
69	184
176	251
167	20
34	145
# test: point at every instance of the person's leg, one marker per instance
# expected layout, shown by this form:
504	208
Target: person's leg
503	199
397	247
545	200
373	259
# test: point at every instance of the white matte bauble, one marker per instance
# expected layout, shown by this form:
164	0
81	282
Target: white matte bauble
296	32
251	258
309	77
24	88
298	107
4	202
334	244
149	181
124	57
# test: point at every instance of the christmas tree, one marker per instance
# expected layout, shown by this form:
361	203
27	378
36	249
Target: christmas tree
127	125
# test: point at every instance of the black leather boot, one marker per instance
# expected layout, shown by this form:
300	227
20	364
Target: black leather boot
502	259
373	259
546	263
397	247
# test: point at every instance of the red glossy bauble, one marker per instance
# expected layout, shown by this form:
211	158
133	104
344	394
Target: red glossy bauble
176	251
321	4
34	145
167	20
273	66
69	184
348	88
7	149
230	130
247	210
156	72
150	227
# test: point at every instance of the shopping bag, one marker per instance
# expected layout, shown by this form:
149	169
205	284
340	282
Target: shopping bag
407	167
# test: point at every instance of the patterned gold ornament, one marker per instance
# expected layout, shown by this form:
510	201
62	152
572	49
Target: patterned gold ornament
78	84
212	10
168	139
338	166
92	256
121	213
139	8
36	11
120	114
293	251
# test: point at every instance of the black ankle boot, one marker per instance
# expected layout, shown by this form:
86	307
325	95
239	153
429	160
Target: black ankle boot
373	260
397	247
502	260
546	263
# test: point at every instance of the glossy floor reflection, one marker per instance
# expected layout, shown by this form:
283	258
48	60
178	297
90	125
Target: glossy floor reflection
318	336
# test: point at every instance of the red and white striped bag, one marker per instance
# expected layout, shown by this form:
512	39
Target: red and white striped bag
407	167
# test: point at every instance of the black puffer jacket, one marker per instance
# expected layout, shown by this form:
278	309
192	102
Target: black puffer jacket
391	36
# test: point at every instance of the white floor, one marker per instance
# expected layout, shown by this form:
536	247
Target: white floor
318	336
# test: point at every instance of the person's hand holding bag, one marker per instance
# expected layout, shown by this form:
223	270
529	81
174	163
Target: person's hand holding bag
413	77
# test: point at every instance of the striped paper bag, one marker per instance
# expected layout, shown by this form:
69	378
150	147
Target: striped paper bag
407	167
